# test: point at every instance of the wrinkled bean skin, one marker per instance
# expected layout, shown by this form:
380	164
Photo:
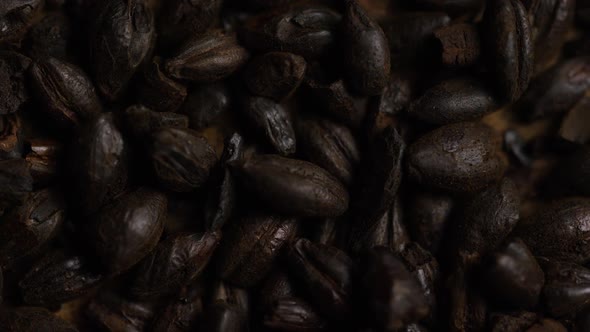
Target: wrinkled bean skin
182	160
367	72
512	322
126	230
180	19
392	295
66	90
293	187
158	91
326	273
559	230
28	229
293	314
453	101
207	58
329	145
514	275
510	47
273	120
122	36
463	157
32	319
141	121
275	75
174	263
58	278
250	247
100	163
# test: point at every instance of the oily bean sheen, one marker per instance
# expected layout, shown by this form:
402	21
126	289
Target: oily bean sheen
250	247
275	75
366	52
126	230
509	46
461	157
122	36
207	58
174	263
566	289
559	230
453	101
66	90
292	187
293	314
181	159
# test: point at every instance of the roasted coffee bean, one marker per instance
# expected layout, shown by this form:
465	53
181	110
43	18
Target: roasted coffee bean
32	319
182	313
547	325
513	275
293	314
16	180
43	160
325	274
566	288
451	6
207	58
57	278
428	215
334	100
557	90
304	29
110	312
126	230
205	103
174	263
463	157
392	297
181	19
11	145
220	206
509	46
142	122
329	145
409	35
379	182
390	231
16	16
516	322
181	159
488	217
425	269
51	37
29	228
292	187
13	66
229	310
558	230
274	75
276	287
159	92
550	22
122	37
65	91
459	44
366	51
575	125
101	163
455	100
273	121
250	246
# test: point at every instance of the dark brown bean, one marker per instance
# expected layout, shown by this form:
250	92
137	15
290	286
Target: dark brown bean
460	45
13	93
293	187
159	92
142	122
16	16
181	19
567	287
110	312
32	319
275	75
